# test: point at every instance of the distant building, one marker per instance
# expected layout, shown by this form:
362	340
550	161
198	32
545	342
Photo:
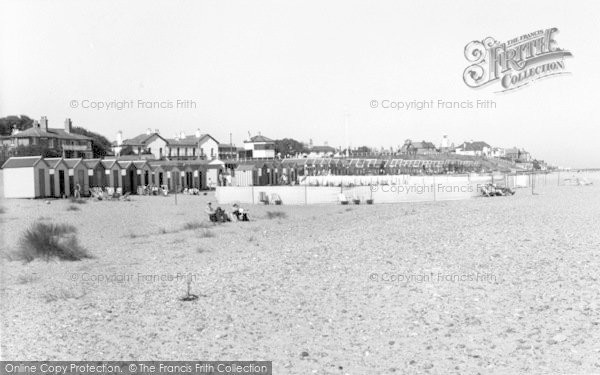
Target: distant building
445	145
320	151
417	148
180	147
517	155
472	148
63	141
197	146
229	151
497	152
259	146
150	143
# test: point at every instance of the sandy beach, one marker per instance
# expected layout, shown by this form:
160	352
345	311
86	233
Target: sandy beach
490	285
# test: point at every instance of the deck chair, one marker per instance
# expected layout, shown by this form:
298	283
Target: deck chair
275	198
342	198
263	197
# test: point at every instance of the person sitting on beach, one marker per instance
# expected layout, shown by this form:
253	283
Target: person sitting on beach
212	214
239	213
222	216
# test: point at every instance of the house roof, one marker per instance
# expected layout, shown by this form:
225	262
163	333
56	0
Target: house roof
140	140
51	133
189	140
473	146
22	162
322	149
418	145
259	138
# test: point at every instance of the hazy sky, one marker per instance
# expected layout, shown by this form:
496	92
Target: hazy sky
292	68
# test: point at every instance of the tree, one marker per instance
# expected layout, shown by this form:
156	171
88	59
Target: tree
289	147
100	145
20	122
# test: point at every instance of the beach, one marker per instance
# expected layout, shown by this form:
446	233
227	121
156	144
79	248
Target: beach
487	285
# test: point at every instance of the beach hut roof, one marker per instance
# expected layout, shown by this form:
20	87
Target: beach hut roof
194	163
290	165
140	163
125	163
91	163
22	162
54	162
72	163
246	167
109	163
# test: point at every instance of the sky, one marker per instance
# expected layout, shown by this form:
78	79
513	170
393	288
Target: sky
299	69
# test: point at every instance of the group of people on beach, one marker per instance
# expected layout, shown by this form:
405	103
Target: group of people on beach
220	215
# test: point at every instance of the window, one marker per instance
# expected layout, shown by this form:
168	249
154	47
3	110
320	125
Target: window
212	152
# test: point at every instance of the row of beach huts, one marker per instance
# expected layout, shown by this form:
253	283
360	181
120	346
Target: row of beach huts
37	177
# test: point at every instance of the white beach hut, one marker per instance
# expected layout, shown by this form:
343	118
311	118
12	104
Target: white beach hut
26	177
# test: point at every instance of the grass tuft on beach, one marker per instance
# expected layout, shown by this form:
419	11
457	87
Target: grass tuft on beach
276	215
191	225
78	201
48	241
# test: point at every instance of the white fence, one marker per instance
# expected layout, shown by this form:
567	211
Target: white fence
381	189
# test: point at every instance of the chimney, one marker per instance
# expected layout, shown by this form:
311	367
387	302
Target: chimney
68	125
156	131
148	131
198	133
44	123
119	138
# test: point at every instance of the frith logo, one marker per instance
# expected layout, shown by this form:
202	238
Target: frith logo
516	62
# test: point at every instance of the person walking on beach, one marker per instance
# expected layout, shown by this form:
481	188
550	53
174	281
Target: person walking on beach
77	192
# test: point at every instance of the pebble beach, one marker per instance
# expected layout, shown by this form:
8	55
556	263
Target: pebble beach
498	285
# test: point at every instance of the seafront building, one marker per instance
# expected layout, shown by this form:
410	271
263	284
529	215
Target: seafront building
63	141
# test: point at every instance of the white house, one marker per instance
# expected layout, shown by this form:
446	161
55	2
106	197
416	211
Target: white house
321	151
26	177
471	148
197	146
260	146
149	143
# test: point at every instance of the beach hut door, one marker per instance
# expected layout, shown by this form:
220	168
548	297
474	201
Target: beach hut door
61	183
42	182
